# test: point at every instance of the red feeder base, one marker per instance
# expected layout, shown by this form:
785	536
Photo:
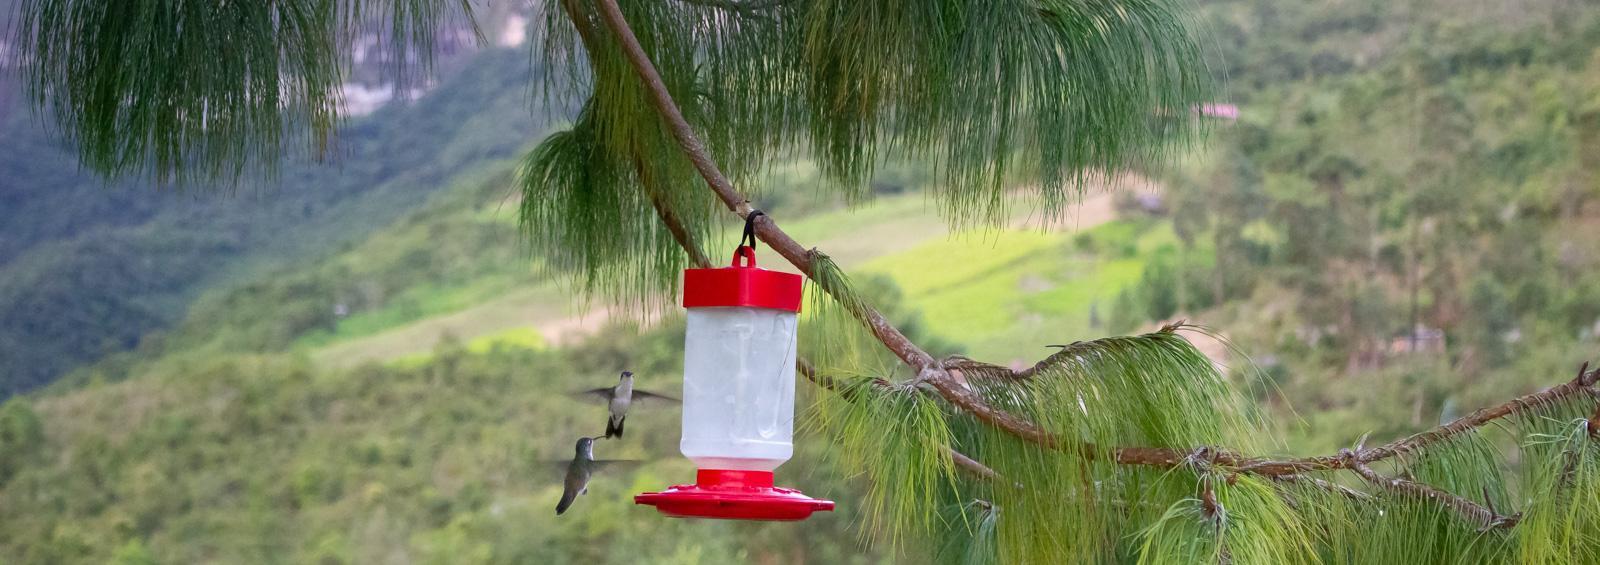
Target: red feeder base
734	495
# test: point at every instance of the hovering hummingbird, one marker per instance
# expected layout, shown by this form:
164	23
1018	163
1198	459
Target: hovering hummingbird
621	397
580	470
578	473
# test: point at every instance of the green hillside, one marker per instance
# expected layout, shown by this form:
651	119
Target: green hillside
271	459
88	269
1404	232
443	453
421	422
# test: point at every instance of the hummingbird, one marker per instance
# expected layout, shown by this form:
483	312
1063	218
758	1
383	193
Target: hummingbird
582	468
578	473
620	398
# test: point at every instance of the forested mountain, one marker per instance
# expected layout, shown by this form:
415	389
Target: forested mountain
88	268
1406	203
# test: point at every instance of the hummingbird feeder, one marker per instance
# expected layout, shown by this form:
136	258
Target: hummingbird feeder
738	393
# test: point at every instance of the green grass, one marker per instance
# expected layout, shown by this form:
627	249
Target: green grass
526	338
535	308
1001	293
857	234
414	304
1005	295
514	338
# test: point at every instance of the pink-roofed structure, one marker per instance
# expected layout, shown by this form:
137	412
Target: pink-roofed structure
1217	110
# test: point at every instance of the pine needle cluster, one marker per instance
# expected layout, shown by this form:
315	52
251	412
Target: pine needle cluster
192	90
1523	489
990	95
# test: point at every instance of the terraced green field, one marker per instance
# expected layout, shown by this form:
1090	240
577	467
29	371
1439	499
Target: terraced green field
1006	295
1001	293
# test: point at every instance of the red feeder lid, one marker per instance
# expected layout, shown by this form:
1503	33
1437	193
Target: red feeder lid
734	495
741	285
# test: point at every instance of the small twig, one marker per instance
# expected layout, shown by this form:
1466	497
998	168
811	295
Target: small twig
1347	492
1569	467
1594	419
1200	460
972	466
741	7
1213	511
1208	501
1477	514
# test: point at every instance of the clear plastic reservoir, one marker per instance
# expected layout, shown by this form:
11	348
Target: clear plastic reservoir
738	388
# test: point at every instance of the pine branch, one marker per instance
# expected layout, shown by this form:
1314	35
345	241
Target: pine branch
746	6
1581	384
937	375
1342	490
972	466
962	461
1159	457
1480	515
1584	383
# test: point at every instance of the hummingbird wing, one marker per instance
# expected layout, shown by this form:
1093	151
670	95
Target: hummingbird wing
617	465
648	399
602	394
606	465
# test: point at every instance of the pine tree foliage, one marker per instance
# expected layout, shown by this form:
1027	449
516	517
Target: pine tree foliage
994	95
205	90
1561	486
594	196
1156	390
584	200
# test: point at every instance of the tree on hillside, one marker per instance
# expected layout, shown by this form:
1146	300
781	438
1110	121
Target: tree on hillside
1119	449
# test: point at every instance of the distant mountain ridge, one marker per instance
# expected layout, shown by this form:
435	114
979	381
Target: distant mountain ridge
88	267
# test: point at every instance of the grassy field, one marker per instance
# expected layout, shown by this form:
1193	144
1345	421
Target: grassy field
1003	293
540	311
